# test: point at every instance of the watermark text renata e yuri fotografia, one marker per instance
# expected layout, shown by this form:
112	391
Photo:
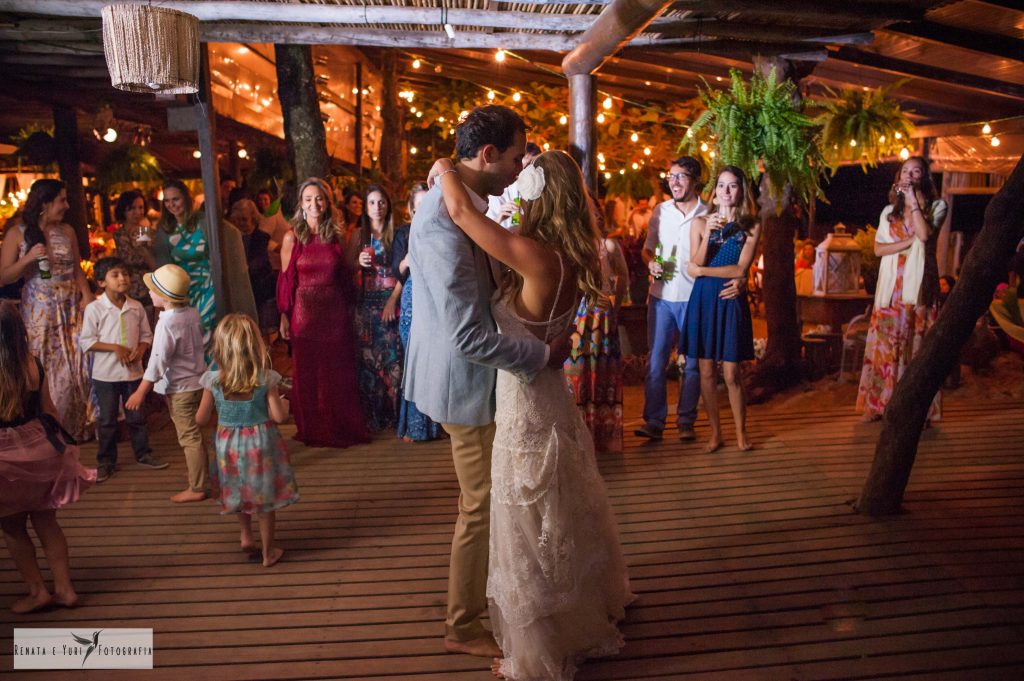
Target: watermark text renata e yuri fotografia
85	647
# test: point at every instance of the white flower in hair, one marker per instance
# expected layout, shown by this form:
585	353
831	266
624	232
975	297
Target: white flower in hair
530	184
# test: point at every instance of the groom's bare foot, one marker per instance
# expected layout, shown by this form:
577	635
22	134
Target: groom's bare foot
484	646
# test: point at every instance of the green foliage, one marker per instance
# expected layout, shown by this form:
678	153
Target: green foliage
127	165
630	183
869	262
862	126
36	145
268	169
759	127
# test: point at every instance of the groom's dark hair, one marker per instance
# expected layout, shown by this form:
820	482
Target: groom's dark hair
491	124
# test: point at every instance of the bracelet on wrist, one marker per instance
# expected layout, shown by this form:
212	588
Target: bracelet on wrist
450	170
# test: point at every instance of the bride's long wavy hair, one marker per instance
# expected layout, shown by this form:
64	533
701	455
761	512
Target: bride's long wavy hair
561	217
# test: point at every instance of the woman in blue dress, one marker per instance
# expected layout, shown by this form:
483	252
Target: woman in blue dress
719	329
413	425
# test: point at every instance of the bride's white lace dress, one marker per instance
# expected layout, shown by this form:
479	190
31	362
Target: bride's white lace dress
557	582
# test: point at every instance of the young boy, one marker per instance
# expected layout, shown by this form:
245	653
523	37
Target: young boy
116	330
175	366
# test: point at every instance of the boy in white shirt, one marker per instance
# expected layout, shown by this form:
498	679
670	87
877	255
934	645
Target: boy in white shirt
116	330
175	366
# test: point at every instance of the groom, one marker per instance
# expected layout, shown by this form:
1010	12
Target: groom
454	350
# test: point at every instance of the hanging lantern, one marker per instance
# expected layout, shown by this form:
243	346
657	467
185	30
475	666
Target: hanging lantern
151	49
837	264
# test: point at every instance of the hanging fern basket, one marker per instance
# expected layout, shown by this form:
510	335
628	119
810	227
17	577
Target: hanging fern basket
151	49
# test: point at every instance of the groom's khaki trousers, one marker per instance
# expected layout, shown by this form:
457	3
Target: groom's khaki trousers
467	575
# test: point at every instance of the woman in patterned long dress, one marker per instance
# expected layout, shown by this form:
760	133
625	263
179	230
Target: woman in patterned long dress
716	329
907	296
52	307
594	367
316	297
380	348
129	230
413	425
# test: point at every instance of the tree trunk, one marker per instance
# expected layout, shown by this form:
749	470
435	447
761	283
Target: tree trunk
393	133
65	133
300	106
780	367
906	412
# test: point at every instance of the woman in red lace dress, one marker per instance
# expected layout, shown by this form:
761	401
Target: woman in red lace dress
316	296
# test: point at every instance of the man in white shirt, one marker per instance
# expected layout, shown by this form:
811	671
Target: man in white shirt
668	238
502	208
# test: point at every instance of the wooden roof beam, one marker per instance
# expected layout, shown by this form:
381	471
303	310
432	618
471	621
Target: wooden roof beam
994	44
315	35
826	11
708	30
617	25
909	68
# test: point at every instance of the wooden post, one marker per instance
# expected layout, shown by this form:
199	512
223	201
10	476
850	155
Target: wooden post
582	130
65	131
206	119
393	133
300	106
358	127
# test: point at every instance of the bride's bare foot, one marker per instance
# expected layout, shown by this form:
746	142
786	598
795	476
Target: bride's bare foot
496	668
31	603
271	557
484	646
65	599
713	445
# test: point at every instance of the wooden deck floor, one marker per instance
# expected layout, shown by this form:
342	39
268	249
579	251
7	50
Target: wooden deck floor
748	565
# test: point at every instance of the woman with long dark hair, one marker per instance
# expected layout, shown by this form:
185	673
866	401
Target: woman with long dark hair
907	294
183	239
316	297
134	241
382	250
44	251
723	244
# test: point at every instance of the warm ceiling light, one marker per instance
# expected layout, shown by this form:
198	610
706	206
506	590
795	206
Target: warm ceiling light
563	120
242	153
634	137
636	166
881	139
490	95
904	153
607	103
546	146
110	135
995	141
197	154
898	135
607	176
516	96
416	63
986	129
853	143
413	150
703	146
600	118
499	56
647	151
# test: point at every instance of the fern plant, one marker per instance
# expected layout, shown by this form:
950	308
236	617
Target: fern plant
127	165
862	126
760	128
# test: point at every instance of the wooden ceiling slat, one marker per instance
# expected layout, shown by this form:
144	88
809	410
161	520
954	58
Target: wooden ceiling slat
814	10
976	41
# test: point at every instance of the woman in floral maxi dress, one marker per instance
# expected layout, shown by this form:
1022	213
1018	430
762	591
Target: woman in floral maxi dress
907	297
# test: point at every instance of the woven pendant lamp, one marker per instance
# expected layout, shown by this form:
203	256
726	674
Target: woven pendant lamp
151	49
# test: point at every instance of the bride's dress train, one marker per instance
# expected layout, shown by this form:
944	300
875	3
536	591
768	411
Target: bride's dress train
557	582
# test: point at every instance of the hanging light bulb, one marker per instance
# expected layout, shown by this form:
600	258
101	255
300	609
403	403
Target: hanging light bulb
413	150
600	118
712	154
546	146
440	119
601	166
904	153
995	141
490	95
986	129
562	120
704	146
242	153
110	135
898	135
412	109
607	103
607	176
689	132
853	143
634	137
516	96
600	156
499	56
661	175
416	63
636	166
622	171
881	140
419	114
647	151
197	154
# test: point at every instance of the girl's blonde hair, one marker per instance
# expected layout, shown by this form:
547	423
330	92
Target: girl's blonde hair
14	363
562	218
327	229
240	353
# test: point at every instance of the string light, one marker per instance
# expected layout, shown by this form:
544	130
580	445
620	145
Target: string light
995	141
647	151
412	109
600	118
440	119
634	137
607	103
242	153
904	153
661	175
898	135
110	135
546	146
636	166
499	56
416	63
563	120
986	129
490	95
622	171
607	176
704	146
600	156
853	143
197	154
413	150
419	114
881	140
601	166
712	154
516	96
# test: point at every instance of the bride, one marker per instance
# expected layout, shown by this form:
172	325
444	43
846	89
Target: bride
557	582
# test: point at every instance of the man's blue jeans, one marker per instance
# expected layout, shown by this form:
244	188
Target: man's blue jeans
665	330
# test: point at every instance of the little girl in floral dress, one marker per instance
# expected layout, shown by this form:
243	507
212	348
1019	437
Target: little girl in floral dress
252	469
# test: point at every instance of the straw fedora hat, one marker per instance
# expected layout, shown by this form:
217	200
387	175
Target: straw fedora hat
169	281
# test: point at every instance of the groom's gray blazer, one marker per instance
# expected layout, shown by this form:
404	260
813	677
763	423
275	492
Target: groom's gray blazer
454	347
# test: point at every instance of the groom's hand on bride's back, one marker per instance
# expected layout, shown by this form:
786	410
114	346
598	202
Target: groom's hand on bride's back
560	347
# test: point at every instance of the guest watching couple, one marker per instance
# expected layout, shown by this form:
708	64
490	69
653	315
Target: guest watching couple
382	249
316	297
667	252
551	606
43	251
719	329
133	239
245	216
907	294
413	425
